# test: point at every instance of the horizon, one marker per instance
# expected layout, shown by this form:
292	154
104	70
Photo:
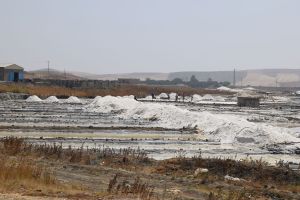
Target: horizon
68	71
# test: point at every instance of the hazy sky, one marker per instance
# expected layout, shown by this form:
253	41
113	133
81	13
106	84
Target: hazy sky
114	36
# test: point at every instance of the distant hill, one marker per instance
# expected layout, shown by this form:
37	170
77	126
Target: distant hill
51	74
261	77
139	75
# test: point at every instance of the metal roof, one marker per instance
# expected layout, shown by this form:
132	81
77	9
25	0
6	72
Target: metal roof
11	66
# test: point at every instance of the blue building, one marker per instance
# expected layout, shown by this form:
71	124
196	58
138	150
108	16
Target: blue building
11	72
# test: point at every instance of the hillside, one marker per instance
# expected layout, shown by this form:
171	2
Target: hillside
139	75
51	74
261	77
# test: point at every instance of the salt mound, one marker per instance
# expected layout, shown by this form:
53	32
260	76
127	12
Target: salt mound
172	96
219	99
33	98
249	88
148	98
73	99
51	99
227	89
208	97
222	127
109	104
129	97
163	96
197	98
223	88
280	99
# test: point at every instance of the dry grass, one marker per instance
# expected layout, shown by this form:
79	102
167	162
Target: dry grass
22	169
124	187
88	156
137	90
21	173
258	179
251	170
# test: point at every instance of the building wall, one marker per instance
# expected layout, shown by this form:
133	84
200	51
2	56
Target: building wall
1	73
9	74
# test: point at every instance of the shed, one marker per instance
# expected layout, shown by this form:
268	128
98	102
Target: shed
248	101
11	72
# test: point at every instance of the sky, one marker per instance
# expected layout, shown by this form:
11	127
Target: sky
122	36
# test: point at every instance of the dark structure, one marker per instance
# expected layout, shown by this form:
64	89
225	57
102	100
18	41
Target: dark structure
75	83
129	80
11	72
248	101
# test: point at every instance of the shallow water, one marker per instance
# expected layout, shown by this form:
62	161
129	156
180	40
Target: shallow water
37	120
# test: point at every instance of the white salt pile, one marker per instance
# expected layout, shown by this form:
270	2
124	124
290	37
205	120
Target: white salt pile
33	98
108	104
223	127
172	96
129	97
223	88
219	98
72	99
280	99
249	88
207	97
197	98
227	89
51	99
148	98
163	96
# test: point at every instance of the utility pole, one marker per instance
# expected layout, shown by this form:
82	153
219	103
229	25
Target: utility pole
48	67
234	77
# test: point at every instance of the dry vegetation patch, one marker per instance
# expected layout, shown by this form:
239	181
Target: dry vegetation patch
137	90
134	175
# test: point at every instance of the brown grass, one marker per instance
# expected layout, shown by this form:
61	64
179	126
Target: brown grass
122	157
124	187
21	173
258	178
251	170
137	90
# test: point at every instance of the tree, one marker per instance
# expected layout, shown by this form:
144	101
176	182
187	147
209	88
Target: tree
194	81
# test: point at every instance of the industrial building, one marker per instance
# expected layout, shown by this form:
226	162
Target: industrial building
248	101
11	72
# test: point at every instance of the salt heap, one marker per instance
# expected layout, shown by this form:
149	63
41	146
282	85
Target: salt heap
129	97
219	98
172	96
207	97
163	96
73	99
33	98
148	98
222	127
51	99
223	88
197	98
227	89
109	104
